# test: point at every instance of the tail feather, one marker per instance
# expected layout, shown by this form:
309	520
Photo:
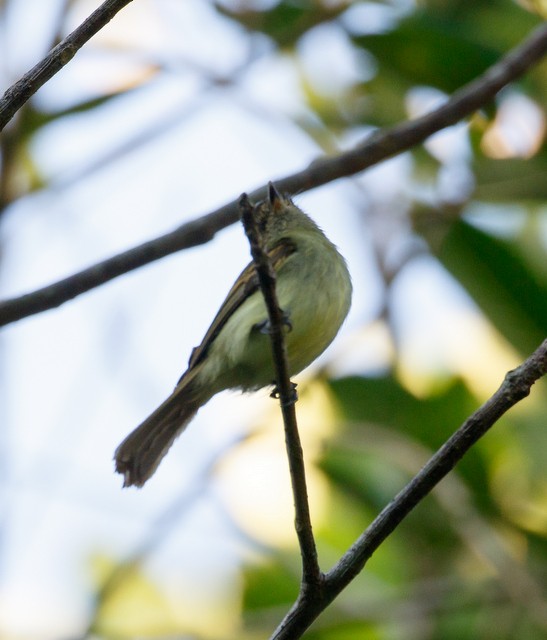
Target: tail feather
139	455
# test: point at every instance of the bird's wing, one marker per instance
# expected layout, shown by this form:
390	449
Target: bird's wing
245	286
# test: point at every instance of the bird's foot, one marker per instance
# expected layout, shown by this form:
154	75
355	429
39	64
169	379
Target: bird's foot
294	393
266	327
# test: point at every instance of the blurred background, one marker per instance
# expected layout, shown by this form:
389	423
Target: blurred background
172	110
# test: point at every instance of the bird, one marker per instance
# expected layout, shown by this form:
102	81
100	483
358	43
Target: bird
314	291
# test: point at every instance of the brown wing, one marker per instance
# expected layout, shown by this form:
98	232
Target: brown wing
245	286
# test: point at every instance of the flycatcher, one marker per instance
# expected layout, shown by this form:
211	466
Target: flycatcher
314	290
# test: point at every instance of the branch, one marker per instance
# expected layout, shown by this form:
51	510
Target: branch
18	94
190	234
515	387
374	149
312	577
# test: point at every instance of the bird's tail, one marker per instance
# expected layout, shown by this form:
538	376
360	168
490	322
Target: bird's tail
139	455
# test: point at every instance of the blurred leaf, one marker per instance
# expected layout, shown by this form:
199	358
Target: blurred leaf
385	402
287	21
498	22
348	516
510	293
363	475
424	50
374	478
513	179
382	103
390	434
346	630
536	6
134	606
269	584
444	47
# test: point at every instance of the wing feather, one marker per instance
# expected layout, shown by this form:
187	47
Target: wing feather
245	286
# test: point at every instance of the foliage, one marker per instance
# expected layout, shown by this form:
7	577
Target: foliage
449	571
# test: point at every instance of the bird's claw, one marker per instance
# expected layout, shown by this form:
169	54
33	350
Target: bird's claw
266	327
294	393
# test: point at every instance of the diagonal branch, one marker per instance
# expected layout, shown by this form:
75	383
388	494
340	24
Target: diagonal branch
188	235
515	387
380	146
312	577
19	93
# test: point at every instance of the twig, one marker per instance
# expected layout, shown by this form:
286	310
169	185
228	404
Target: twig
16	96
515	387
374	149
312	578
190	234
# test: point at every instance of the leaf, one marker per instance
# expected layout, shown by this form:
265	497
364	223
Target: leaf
347	630
424	50
507	289
133	605
269	584
390	434
287	21
386	402
512	179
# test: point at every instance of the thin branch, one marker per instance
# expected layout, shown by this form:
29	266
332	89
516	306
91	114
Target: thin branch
20	92
374	149
515	387
190	234
312	577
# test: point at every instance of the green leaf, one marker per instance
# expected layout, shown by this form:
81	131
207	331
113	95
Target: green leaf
269	584
507	289
346	630
287	21
513	179
424	50
384	419
385	402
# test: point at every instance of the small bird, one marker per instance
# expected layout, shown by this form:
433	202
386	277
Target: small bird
314	290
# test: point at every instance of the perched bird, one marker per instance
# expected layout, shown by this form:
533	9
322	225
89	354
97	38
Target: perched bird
314	290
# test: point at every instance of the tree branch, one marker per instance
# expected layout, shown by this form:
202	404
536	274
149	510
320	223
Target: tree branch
312	577
374	149
20	92
190	234
515	387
